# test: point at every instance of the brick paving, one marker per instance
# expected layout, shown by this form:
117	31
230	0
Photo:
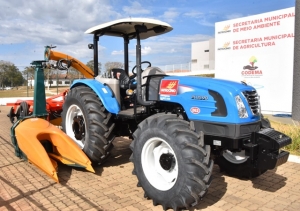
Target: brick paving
113	187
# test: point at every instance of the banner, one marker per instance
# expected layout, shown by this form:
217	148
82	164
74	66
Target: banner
259	50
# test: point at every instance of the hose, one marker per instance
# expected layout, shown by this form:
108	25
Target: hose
60	65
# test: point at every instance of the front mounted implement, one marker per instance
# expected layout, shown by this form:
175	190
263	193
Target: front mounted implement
265	149
41	143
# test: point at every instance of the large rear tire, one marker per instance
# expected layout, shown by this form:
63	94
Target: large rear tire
171	162
88	123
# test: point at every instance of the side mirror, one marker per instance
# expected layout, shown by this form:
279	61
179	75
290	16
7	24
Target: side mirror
91	46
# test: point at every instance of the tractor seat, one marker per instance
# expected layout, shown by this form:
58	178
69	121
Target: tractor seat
123	78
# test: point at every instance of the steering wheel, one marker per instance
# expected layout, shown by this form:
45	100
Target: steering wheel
134	74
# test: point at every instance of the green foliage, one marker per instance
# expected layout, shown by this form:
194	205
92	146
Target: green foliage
110	65
212	75
74	74
292	131
10	75
90	64
29	73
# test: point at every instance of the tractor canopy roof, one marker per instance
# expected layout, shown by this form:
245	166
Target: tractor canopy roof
128	26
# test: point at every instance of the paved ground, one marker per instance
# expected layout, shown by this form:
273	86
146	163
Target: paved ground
113	187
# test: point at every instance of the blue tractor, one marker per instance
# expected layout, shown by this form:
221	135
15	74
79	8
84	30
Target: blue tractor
180	125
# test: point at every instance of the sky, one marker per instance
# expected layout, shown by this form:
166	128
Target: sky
26	26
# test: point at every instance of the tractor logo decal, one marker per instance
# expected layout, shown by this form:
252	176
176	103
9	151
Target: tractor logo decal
195	110
171	85
168	87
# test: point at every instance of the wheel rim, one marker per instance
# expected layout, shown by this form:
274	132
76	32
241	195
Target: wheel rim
159	164
235	157
75	125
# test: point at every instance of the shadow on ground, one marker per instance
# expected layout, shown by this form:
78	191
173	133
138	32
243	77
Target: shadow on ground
269	181
119	155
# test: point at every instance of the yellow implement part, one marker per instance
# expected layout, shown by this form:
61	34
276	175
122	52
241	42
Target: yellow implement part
56	121
78	65
33	132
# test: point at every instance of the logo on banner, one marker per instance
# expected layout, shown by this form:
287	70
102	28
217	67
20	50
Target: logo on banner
225	29
251	70
168	87
226	46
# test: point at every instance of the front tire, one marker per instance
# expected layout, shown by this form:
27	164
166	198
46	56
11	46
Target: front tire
88	123
171	162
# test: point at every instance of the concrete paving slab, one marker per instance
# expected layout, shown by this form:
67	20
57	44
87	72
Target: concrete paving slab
113	187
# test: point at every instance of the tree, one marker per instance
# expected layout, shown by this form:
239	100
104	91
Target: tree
90	64
110	65
252	60
49	74
2	72
10	75
74	74
28	73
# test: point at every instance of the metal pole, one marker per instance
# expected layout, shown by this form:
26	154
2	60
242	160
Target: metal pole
48	79
27	83
126	57
296	76
39	103
56	82
96	39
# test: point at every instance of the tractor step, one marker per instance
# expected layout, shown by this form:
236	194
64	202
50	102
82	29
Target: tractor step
129	113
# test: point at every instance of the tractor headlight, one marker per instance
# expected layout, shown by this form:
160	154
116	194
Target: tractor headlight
241	107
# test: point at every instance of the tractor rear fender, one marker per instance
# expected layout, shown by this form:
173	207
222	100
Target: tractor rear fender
103	91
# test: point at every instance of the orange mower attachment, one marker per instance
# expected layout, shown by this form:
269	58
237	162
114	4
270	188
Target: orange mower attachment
43	144
35	139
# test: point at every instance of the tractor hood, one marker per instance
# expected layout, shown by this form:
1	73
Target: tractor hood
209	83
210	99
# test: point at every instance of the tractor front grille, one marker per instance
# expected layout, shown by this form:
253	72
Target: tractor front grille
253	101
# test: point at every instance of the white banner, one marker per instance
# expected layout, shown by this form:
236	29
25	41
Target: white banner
259	50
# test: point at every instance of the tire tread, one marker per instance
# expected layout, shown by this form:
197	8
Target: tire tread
99	122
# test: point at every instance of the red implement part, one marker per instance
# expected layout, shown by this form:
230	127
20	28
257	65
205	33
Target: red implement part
53	106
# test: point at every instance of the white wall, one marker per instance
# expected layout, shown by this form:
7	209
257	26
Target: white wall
266	39
61	82
199	56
